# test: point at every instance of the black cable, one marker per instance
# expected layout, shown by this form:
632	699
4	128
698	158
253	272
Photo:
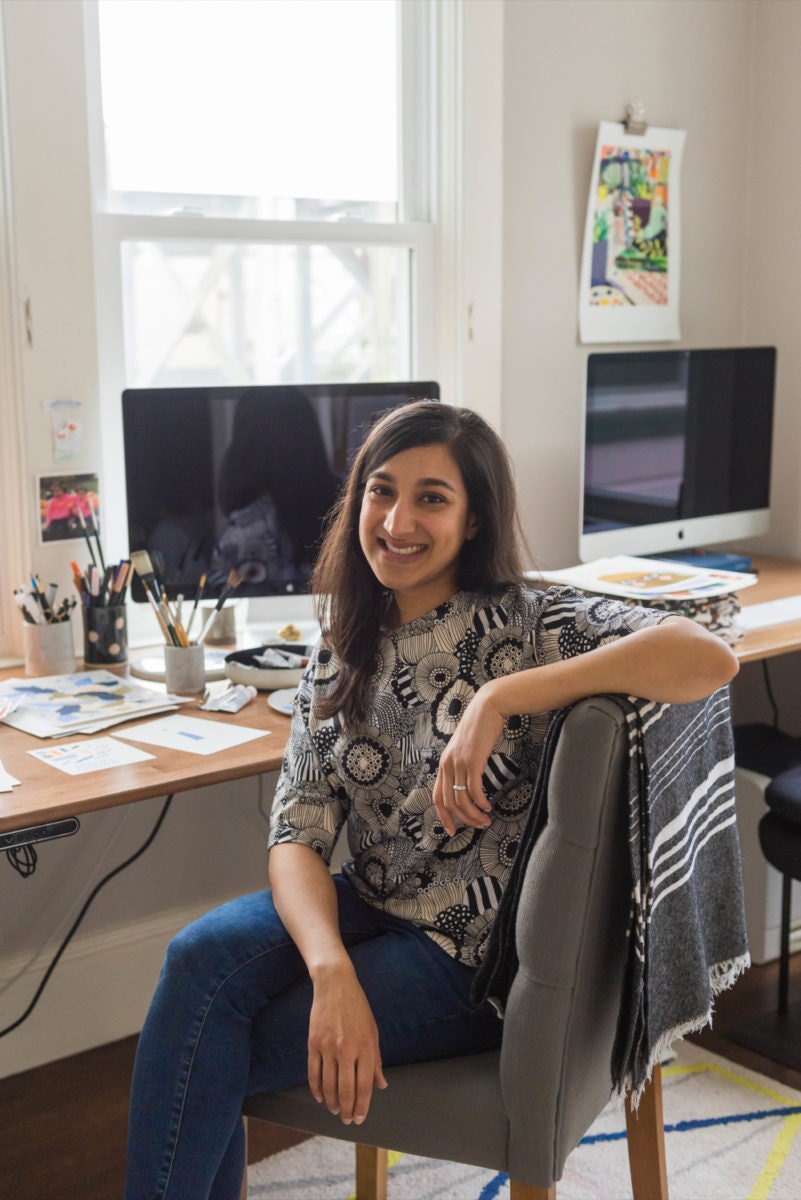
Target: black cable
771	697
82	914
23	859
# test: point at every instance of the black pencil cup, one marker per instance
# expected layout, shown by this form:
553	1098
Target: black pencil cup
105	634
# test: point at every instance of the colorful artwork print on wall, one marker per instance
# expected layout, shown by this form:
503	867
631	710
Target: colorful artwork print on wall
630	229
69	507
630	266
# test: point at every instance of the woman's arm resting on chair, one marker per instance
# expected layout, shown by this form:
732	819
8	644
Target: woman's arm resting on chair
344	1056
674	662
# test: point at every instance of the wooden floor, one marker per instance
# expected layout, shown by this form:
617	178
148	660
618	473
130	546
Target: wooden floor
62	1126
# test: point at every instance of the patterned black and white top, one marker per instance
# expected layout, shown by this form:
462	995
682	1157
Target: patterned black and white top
379	776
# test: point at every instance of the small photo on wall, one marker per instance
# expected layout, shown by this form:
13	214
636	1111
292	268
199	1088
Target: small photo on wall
69	507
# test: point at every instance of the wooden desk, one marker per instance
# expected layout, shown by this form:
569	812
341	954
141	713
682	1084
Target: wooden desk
778	578
45	793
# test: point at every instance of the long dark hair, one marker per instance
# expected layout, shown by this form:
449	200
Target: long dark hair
351	601
275	442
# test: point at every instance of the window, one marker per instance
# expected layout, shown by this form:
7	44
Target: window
261	215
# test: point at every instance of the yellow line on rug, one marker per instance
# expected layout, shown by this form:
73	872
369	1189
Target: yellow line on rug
785	1137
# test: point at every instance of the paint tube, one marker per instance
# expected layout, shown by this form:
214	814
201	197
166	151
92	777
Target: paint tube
231	700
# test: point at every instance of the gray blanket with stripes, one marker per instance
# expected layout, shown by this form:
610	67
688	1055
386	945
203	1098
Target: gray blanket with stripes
687	939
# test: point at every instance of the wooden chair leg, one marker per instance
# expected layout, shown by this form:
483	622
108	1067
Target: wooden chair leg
243	1192
371	1179
645	1129
371	1173
524	1191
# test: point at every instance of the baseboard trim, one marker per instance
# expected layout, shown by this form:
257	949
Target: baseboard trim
98	993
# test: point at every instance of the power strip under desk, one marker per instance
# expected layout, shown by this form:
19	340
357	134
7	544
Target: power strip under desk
770	612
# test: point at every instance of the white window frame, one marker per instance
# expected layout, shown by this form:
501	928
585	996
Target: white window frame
112	229
43	256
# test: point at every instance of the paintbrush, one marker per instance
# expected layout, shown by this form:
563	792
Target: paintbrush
85	531
143	565
96	532
118	587
231	584
201	587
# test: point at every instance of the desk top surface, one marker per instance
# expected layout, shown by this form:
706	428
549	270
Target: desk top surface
45	793
778	578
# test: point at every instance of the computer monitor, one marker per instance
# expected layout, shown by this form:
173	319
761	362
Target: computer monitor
676	449
242	478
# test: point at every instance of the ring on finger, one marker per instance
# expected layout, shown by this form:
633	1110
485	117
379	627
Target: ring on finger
460	787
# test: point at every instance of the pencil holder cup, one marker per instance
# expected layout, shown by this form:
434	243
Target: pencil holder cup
184	670
105	634
222	630
49	649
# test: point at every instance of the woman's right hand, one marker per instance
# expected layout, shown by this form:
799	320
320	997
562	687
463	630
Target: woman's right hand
344	1054
344	1057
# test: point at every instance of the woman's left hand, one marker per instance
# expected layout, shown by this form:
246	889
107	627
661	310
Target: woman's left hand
458	791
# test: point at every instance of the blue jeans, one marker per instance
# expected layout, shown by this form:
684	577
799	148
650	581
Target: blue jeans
230	1017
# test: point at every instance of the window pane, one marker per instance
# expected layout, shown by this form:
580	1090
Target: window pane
213	313
264	108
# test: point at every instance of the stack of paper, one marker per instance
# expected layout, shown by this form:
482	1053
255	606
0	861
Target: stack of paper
85	702
651	578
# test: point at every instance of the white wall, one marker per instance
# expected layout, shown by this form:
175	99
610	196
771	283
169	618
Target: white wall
211	847
569	64
48	157
772	267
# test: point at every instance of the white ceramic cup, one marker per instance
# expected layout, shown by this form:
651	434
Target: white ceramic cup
184	670
49	649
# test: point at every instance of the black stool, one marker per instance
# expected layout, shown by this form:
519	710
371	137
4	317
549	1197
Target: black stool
770	752
780	839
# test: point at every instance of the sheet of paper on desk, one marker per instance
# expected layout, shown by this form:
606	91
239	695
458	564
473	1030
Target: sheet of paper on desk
191	733
7	782
80	758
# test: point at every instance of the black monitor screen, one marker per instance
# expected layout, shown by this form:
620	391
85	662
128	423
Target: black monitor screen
677	434
242	478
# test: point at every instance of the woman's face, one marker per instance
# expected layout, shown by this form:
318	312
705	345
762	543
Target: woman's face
414	520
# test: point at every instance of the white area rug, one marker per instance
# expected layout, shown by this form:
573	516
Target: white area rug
731	1135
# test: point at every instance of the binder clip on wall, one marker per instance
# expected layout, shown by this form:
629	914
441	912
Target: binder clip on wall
635	121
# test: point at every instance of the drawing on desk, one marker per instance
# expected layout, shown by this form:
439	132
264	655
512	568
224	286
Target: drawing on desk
644	578
83	702
99	754
192	734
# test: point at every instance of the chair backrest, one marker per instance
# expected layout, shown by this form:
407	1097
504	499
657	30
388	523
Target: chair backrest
563	1008
525	1108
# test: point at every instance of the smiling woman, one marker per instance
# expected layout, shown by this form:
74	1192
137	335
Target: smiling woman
413	523
419	725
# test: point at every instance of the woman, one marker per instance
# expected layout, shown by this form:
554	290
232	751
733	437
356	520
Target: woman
430	689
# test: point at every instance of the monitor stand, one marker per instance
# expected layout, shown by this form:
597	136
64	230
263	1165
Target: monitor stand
149	662
267	619
256	622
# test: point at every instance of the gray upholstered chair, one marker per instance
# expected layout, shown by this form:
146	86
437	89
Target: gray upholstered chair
522	1109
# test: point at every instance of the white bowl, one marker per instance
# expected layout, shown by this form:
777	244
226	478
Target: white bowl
240	668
